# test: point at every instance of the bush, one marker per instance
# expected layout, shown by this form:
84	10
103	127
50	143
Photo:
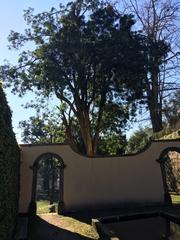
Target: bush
9	171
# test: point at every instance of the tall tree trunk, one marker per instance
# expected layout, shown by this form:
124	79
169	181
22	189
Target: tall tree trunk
154	105
98	124
85	128
156	118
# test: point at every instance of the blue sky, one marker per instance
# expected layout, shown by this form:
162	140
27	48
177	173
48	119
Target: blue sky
11	18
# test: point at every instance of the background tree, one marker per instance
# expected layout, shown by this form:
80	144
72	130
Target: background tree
47	128
159	21
48	180
81	55
172	109
139	140
112	144
9	169
42	129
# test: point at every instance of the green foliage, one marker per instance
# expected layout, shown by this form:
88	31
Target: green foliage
47	129
112	144
142	137
9	171
43	129
139	140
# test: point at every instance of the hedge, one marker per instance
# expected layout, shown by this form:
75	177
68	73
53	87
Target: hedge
9	171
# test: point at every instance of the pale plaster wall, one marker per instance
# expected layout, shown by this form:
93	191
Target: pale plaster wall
100	181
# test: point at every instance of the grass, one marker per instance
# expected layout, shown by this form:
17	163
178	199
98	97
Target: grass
43	206
65	222
71	224
175	199
173	135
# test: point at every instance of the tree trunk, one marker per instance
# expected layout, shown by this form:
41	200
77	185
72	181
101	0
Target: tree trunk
86	135
52	184
156	119
45	180
154	102
86	132
98	124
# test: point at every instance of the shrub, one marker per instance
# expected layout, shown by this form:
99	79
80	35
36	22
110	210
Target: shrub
9	171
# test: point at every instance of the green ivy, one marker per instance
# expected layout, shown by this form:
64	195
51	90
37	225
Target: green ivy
9	171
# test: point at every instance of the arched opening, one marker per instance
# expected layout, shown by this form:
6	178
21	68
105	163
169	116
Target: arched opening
170	166
47	185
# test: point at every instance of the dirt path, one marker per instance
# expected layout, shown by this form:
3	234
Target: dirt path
55	227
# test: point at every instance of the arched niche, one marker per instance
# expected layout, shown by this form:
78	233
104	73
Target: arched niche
60	167
165	160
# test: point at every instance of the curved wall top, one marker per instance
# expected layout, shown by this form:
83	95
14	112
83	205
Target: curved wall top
92	182
163	144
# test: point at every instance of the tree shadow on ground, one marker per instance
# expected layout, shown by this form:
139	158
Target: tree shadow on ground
42	230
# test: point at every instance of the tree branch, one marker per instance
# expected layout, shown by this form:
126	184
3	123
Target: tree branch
61	97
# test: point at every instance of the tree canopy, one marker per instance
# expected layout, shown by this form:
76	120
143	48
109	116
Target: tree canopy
87	56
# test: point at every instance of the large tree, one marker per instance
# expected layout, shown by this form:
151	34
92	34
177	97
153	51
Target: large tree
89	57
159	21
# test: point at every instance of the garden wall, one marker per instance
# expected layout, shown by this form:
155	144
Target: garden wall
97	182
